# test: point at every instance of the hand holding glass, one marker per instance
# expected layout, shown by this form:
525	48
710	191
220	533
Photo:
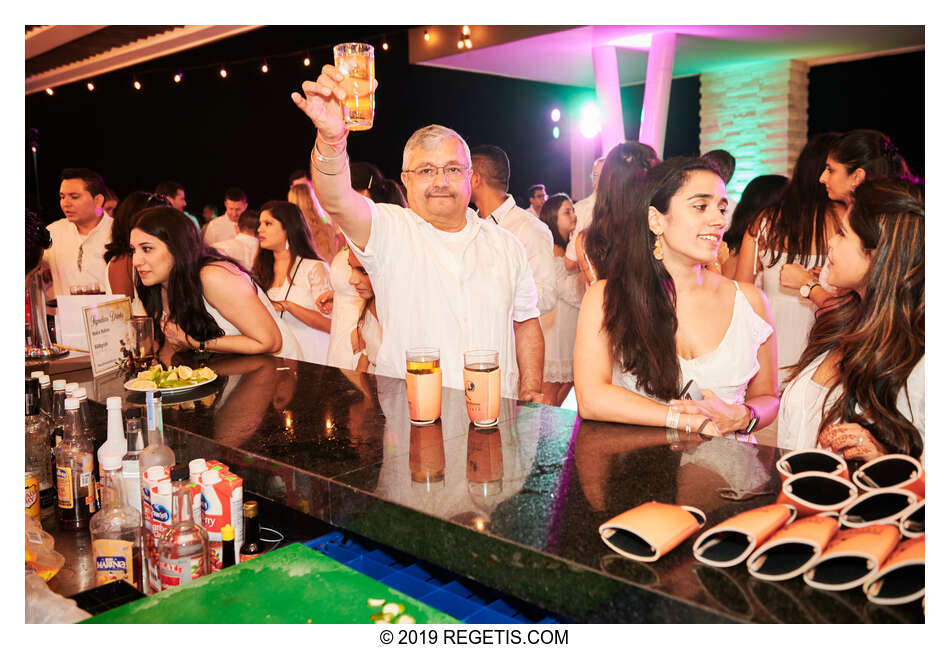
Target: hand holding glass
357	62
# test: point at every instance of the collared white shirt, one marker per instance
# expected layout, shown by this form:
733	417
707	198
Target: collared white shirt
243	248
220	229
584	211
538	243
63	257
429	296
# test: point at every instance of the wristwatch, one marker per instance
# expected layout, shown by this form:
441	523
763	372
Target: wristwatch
201	347
806	289
753	418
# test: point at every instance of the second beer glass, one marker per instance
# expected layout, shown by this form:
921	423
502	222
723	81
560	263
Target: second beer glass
356	61
482	379
423	385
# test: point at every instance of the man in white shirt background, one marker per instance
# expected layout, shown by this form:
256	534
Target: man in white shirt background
537	194
226	225
243	247
491	171
79	239
442	277
174	191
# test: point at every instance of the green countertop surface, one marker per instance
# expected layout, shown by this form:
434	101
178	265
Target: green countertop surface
290	585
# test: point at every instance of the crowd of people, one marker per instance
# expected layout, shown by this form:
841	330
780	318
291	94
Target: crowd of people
658	298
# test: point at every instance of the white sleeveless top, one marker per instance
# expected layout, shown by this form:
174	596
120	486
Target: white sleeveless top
800	412
290	348
727	369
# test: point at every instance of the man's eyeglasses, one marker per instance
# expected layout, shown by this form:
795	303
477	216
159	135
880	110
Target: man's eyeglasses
429	173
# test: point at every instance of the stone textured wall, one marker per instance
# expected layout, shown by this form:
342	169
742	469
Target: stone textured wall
759	114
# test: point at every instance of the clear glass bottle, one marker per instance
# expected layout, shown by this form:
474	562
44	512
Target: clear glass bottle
37	446
85	423
156	453
183	547
75	485
131	473
115	530
46	398
58	412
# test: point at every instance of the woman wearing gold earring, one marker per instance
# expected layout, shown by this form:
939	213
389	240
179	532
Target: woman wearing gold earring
659	319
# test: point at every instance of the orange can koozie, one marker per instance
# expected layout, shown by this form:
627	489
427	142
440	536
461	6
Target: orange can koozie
423	385
32	495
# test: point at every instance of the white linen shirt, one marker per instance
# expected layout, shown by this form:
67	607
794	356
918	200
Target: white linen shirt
538	243
220	229
584	211
428	297
242	248
62	257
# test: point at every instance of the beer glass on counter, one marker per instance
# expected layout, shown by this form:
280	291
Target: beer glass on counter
482	378
423	385
427	456
141	341
356	61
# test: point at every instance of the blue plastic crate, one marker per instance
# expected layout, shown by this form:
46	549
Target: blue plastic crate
457	596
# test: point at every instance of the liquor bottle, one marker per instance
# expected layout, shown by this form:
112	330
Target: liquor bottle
58	412
46	398
115	530
85	423
252	533
183	547
131	471
74	473
227	546
156	453
37	445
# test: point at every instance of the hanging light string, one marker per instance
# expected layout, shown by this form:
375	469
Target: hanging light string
262	64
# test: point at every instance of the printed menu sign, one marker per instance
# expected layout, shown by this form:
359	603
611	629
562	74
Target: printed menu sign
106	330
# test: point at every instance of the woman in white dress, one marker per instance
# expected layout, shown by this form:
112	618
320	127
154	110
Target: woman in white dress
858	388
120	276
198	298
367	334
660	319
294	277
559	325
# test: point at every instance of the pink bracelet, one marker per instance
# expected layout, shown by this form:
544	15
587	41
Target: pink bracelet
335	143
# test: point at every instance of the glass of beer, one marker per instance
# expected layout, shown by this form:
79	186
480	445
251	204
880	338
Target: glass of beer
482	379
427	456
141	342
423	385
357	62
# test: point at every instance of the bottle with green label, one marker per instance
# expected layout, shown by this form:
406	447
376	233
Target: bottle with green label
116	535
75	486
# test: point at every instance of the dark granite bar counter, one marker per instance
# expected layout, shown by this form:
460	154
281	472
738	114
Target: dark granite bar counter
514	507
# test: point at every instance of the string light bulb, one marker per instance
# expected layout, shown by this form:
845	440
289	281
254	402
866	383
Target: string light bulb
466	31
49	91
468	43
223	72
264	68
177	77
426	35
306	60
136	84
461	44
90	85
385	45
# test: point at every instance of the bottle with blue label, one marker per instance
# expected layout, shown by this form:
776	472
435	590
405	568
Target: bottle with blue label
116	535
75	489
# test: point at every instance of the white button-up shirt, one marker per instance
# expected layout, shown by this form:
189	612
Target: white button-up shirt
63	256
220	229
243	248
427	295
538	243
584	211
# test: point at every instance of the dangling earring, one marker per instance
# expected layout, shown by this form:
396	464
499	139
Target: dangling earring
657	250
286	244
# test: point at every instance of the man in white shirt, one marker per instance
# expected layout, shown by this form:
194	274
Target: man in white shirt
243	247
537	194
443	278
226	226
79	240
584	211
174	191
491	171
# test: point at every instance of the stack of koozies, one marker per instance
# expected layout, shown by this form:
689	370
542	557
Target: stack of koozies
837	533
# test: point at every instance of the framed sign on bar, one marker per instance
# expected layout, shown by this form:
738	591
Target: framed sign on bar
107	330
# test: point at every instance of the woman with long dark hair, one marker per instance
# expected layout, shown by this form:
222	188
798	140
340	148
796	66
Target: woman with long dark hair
857	156
660	319
757	195
559	325
294	276
624	164
859	385
199	298
120	276
786	245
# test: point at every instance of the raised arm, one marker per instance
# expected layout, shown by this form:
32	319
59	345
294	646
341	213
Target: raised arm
329	164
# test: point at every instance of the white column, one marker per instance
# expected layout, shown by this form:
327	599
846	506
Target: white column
656	95
583	154
607	83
